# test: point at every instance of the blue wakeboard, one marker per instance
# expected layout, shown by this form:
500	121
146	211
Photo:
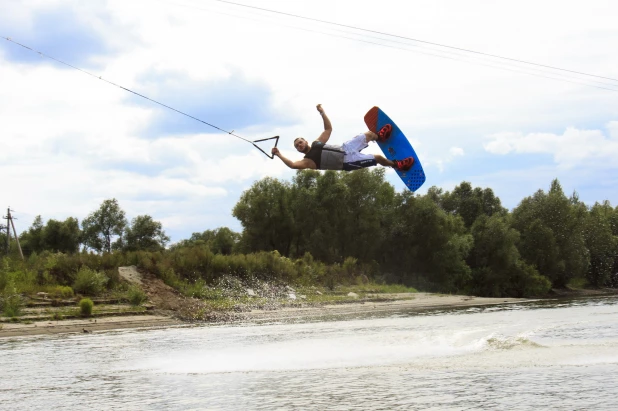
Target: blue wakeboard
396	147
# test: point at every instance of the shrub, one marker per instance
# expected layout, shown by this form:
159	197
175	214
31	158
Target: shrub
90	282
136	295
85	306
12	305
61	291
11	301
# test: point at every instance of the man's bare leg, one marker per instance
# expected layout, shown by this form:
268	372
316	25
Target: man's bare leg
383	161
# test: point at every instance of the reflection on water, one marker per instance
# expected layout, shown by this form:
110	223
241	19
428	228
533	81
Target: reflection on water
540	355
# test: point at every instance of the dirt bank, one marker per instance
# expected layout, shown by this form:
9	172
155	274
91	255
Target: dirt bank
387	303
167	307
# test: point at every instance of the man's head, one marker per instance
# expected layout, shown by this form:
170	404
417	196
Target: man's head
301	145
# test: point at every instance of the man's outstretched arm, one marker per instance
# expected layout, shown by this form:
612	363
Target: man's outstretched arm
297	165
328	128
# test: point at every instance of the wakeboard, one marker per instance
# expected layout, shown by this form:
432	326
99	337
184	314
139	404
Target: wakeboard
396	147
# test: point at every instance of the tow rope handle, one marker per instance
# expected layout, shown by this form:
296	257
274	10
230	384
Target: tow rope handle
271	156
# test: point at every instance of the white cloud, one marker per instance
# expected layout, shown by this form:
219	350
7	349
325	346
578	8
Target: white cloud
612	126
456	151
573	147
70	141
441	159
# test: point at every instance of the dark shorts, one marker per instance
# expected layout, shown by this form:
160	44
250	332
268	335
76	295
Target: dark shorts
355	165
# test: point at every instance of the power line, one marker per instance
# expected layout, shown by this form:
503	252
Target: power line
412	39
455	55
124	88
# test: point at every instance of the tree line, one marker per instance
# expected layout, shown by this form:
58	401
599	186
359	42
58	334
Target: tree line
459	241
104	230
462	240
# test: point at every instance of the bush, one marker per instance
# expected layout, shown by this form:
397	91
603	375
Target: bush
90	282
11	301
12	305
61	291
136	295
85	306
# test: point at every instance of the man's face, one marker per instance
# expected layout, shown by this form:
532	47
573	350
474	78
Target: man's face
300	144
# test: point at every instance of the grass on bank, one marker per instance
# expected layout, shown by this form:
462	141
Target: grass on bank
220	282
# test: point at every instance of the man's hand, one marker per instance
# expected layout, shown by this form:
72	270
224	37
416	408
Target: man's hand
320	109
275	151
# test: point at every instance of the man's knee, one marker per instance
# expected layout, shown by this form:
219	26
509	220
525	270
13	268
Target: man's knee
370	136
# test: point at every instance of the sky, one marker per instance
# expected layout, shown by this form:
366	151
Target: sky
70	141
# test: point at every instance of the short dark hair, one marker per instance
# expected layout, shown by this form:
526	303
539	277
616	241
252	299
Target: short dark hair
298	138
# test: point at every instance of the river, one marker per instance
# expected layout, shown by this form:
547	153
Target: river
551	355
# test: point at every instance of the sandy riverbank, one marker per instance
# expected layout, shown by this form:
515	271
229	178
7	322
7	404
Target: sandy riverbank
380	303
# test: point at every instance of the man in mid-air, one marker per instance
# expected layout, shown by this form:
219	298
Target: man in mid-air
347	157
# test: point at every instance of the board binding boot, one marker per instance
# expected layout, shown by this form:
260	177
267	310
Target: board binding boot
403	165
385	133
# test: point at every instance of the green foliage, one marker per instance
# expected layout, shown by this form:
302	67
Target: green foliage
468	203
427	247
61	291
11	301
577	283
317	213
103	225
145	234
63	237
220	241
602	244
85	307
552	238
497	268
56	236
332	229
264	212
90	282
136	295
32	240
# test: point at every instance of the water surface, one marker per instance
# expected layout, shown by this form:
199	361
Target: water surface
542	355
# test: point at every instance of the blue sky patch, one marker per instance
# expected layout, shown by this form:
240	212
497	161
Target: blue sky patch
58	33
231	104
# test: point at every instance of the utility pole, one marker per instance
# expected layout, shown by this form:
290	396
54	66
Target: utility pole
9	224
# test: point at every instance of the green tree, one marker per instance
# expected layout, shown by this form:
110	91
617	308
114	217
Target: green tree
264	212
328	220
304	203
221	240
602	244
63	236
103	225
145	234
468	202
32	240
436	194
426	247
497	268
552	240
339	215
367	204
